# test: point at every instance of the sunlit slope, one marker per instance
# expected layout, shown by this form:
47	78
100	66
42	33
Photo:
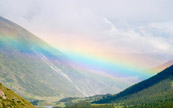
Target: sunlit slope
32	68
155	91
8	99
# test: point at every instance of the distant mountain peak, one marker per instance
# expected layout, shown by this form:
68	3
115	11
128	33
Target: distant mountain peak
162	67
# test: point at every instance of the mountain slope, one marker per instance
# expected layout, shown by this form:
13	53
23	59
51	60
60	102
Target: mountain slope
162	67
11	100
155	90
32	68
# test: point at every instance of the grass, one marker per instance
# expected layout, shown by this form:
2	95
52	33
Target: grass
13	100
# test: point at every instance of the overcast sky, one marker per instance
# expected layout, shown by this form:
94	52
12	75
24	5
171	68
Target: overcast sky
137	27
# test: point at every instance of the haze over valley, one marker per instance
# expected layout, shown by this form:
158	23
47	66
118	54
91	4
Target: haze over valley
86	54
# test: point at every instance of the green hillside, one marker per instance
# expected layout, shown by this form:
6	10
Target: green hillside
35	70
8	99
155	92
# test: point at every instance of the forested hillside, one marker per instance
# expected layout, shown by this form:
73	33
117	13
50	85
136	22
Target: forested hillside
156	91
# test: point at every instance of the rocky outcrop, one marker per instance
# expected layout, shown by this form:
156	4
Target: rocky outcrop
2	94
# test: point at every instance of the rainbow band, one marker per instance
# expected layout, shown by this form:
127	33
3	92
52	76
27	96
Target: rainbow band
115	67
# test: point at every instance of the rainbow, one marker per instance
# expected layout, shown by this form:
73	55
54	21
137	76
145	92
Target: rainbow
112	65
116	67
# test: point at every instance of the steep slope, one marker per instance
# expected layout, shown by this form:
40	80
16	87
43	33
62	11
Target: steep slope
32	68
8	99
162	67
156	90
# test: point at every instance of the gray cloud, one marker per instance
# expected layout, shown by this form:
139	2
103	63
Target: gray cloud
137	26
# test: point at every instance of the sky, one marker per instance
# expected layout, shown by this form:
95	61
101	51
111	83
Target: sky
134	32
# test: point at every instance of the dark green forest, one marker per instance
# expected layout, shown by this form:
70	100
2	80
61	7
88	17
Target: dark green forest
155	92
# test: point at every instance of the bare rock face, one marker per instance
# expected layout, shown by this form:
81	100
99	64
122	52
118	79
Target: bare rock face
2	94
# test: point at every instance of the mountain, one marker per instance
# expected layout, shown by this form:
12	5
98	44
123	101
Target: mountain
162	67
155	92
8	99
34	69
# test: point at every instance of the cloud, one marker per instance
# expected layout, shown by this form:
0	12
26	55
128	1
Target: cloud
19	8
129	26
140	39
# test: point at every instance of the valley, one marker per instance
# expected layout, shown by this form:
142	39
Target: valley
155	92
86	54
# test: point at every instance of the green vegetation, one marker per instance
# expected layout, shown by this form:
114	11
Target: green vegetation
75	100
84	104
42	103
23	69
155	92
35	70
8	99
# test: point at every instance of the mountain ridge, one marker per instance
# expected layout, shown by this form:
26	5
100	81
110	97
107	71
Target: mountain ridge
37	69
152	91
162	66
